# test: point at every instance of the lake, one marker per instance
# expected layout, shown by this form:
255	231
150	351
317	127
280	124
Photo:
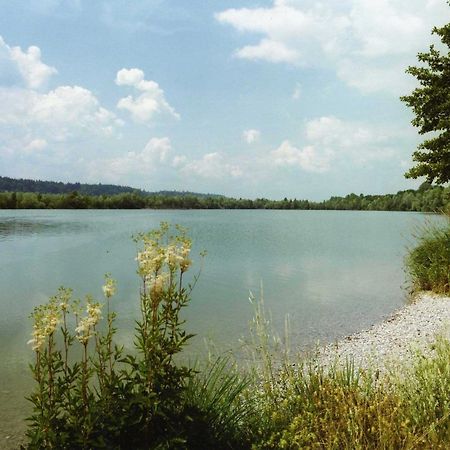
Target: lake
333	272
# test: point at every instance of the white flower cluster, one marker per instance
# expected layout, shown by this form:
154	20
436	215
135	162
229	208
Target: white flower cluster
46	319
85	329
109	288
158	284
152	259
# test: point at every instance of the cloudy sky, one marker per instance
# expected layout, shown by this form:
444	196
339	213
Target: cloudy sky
250	98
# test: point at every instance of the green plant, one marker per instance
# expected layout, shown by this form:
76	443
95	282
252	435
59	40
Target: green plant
217	400
89	394
428	263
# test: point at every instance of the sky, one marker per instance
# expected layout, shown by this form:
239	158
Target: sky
246	98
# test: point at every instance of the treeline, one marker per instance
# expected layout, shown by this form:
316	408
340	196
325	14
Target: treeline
54	187
426	199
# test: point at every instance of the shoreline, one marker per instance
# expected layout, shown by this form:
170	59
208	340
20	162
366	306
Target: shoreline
412	328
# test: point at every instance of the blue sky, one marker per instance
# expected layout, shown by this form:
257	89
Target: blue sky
295	98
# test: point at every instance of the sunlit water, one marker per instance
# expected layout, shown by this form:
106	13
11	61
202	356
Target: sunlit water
333	272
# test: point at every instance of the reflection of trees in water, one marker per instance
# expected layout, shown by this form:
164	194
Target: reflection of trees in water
21	227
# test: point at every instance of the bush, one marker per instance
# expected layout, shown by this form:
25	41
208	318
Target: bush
428	264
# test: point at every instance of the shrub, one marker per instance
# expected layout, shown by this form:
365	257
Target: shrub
428	264
89	394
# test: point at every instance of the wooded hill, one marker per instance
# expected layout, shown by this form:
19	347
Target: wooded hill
54	187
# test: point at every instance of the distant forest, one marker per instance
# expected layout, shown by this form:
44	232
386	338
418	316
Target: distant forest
29	194
54	187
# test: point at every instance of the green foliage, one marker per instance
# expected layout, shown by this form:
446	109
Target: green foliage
90	394
431	106
52	187
428	263
217	400
307	405
341	408
426	199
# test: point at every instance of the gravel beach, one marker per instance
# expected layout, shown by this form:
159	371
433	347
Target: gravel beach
413	327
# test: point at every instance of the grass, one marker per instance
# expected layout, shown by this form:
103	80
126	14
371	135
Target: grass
310	406
428	263
344	408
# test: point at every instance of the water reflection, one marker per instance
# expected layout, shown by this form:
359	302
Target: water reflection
10	227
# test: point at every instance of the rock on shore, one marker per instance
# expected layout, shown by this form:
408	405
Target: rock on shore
412	328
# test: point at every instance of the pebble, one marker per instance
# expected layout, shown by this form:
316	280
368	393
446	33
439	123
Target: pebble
413	328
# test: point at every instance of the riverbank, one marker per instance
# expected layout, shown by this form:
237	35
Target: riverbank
409	330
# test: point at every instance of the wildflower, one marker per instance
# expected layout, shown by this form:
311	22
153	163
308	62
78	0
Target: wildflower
94	311
37	341
85	329
64	296
109	288
46	319
184	253
150	260
158	284
172	257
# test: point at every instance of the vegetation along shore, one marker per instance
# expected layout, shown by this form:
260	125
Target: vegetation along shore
30	194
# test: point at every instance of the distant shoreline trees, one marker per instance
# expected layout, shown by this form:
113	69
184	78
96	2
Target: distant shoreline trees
426	199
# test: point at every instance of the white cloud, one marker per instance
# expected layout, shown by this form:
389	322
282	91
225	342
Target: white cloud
36	145
179	161
33	71
306	158
60	114
331	142
251	136
212	165
148	160
268	50
129	77
151	102
368	43
43	124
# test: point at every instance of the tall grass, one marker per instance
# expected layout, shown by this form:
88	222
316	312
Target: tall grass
428	263
337	409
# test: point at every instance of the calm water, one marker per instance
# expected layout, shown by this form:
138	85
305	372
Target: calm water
333	272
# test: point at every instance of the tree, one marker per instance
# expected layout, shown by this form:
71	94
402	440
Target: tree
430	103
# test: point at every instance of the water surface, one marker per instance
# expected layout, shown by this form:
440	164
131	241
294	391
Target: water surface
333	272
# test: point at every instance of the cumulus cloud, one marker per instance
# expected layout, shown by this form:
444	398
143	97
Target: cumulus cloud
306	158
179	161
213	165
251	136
145	106
330	141
60	114
368	43
147	161
34	73
40	122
